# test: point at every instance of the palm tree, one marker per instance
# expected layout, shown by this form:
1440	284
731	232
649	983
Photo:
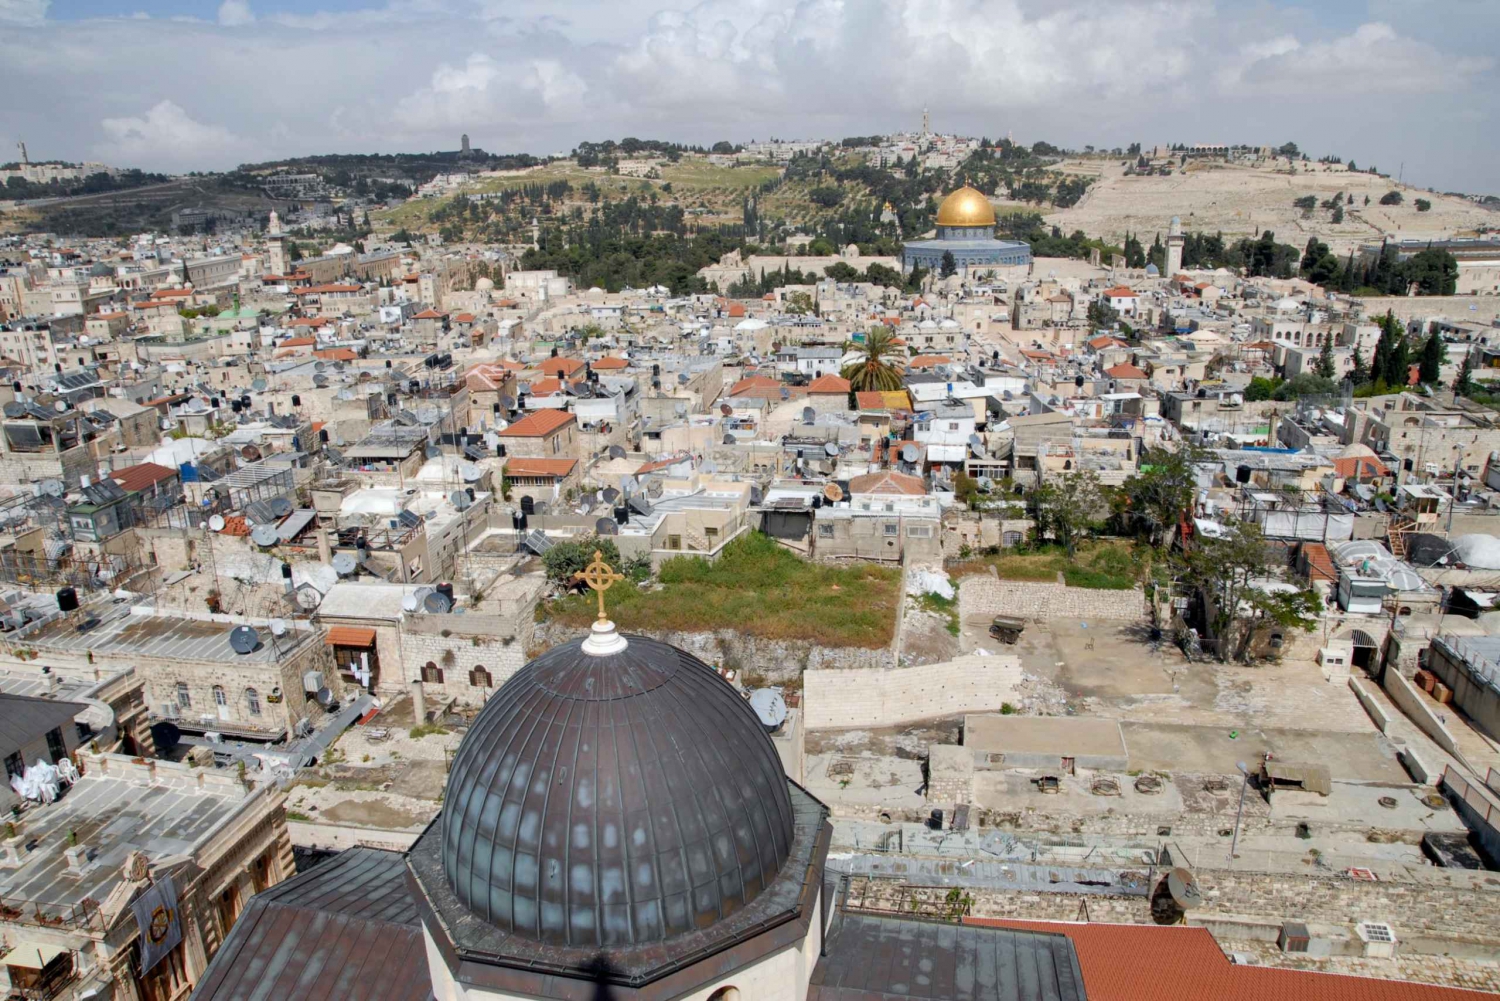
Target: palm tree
874	371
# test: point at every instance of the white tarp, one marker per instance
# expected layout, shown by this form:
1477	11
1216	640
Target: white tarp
1308	526
40	783
929	582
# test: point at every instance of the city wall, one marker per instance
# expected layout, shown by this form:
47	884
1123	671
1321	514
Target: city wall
853	697
983	596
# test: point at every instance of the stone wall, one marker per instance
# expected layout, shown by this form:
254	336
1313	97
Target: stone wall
1418	709
763	661
884	697
982	596
456	655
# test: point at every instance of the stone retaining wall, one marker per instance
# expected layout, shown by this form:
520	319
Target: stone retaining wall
837	699
982	596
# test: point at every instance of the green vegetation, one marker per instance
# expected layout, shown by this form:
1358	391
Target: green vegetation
427	730
568	558
1100	564
297	816
874	370
18	188
756	587
939	605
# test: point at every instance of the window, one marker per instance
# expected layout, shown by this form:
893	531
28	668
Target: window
252	697
55	746
480	678
891	528
219	698
184	699
432	674
919	531
674	542
825	531
14	765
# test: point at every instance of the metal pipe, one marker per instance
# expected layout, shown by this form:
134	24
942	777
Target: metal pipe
1240	810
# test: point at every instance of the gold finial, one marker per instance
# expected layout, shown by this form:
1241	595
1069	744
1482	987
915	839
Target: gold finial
601	577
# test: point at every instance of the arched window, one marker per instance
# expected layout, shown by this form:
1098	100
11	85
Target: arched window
432	674
725	994
252	697
480	678
219	697
184	700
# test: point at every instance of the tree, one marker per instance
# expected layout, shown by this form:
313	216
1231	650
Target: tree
1358	373
1463	384
1230	572
873	371
1391	198
1430	362
948	267
1338	215
1260	388
1068	506
842	272
1306	203
1289	150
1154	500
800	304
1312	254
1433	271
966	490
1325	368
1101	315
1390	365
1304	384
1423	205
569	556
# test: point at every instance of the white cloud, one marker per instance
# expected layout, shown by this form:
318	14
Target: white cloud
166	135
28	12
236	13
537	76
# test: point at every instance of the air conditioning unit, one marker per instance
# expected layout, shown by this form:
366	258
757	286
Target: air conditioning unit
312	681
1378	937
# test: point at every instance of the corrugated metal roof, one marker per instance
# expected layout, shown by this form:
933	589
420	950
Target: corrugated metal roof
875	958
346	930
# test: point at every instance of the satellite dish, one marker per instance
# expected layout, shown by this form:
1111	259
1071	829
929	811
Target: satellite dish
460	499
263	535
831	449
259	385
433	452
437	603
410	602
250	453
281	507
319	366
729	439
610	494
15	408
616	452
244	639
833	492
1184	889
725	409
343	564
61	406
470	472
308	598
216	523
769	706
320	380
628	485
491	439
278	627
54	488
809	415
606	526
910	453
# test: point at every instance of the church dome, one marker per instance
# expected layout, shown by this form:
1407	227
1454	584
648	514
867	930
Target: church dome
966	207
603	800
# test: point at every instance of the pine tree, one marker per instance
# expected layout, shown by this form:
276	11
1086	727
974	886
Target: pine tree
1325	367
1358	374
1434	353
1464	382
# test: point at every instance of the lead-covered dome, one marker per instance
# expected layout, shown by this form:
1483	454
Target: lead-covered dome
611	800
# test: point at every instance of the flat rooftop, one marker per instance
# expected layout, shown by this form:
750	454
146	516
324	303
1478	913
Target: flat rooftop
114	815
1062	735
121	630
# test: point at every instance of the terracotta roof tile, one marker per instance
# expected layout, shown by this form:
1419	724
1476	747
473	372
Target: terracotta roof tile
141	476
540	467
829	384
538	424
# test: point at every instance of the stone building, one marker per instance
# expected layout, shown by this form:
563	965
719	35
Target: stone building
545	434
966	230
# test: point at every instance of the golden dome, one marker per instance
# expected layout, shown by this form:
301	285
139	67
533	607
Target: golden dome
966	207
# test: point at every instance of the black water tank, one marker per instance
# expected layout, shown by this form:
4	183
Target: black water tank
67	599
622	515
527	505
446	590
500	450
387	363
1242	474
296	400
286	571
323	435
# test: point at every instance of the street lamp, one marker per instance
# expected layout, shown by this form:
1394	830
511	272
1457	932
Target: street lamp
1240	811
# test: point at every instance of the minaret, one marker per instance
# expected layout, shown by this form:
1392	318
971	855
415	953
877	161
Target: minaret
926	123
463	145
25	160
1174	248
276	245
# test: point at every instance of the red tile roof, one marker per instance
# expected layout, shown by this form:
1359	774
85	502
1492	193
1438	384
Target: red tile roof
888	481
311	321
538	424
540	467
830	384
1181	963
464	318
561	366
754	382
1121	292
1125	370
1105	341
1319	563
667	463
607	364
929	361
1360	467
429	314
298	342
142	476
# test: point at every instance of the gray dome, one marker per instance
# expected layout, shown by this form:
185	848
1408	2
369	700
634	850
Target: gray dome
606	801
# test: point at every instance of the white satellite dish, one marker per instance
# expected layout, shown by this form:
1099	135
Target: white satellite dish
216	523
278	627
343	564
470	472
264	535
308	598
410	602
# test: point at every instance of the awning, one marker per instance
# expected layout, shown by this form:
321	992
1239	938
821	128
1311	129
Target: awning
33	955
351	636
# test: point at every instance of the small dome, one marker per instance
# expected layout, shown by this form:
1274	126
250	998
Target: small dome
484	285
966	207
1479	552
1152	269
615	799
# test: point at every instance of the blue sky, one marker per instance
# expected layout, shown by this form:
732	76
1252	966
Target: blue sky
184	84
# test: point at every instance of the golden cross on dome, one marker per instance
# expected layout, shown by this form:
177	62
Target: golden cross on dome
601	577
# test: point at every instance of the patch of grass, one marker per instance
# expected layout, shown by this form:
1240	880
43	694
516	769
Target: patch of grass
946	607
756	587
426	730
1106	565
297	815
1096	579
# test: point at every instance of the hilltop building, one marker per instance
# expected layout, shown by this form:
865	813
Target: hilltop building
966	229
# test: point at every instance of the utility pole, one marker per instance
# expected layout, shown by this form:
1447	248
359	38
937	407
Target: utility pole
1240	810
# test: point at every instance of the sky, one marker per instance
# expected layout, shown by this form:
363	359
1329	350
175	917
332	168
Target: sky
178	85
